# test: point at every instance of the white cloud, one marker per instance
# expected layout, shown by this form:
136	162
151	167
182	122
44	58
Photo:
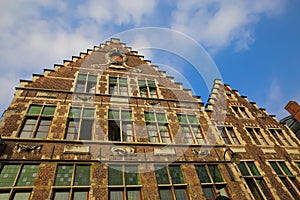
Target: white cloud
217	24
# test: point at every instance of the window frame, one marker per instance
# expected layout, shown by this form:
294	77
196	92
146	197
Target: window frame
198	137
172	186
78	123
279	136
121	124
88	86
228	135
72	187
240	112
124	187
38	118
147	90
291	183
115	87
158	129
256	135
255	179
14	187
212	183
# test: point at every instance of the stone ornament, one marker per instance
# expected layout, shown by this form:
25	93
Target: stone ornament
27	148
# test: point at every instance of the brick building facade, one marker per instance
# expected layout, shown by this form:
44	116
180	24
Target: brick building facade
109	125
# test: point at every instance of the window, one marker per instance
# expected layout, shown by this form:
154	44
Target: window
72	181
190	129
16	175
287	178
228	135
279	137
120	126
118	86
254	180
170	182
211	181
80	125
124	182
256	135
157	127
240	111
86	83
147	89
37	121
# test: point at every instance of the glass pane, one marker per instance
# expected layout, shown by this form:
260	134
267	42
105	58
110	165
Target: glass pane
86	129
43	129
192	119
142	83
215	173
8	175
113	80
116	195
182	118
208	192
34	110
81	77
75	112
165	194
49	110
176	174
151	84
123	81
4	196
115	175
180	194
161	175
21	195
82	175
126	115
80	195
92	78
276	168
131	176
161	117
61	195
243	169
88	112
80	87
133	195
261	183
254	189
64	175
149	117
113	114
202	174
285	168
27	176
253	169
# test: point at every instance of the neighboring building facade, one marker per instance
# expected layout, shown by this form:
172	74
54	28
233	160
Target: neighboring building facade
109	125
293	121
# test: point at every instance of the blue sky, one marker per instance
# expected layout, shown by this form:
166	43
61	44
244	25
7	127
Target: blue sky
254	43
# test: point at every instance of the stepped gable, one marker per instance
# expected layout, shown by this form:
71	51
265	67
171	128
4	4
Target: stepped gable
113	58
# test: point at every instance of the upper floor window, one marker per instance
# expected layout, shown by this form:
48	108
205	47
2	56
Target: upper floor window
280	137
118	86
254	180
148	88
72	182
240	111
257	136
211	181
228	135
190	129
120	126
157	127
20	177
170	182
124	182
287	178
37	121
80	125
86	83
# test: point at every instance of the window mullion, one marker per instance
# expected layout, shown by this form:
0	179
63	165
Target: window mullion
121	124
18	174
73	175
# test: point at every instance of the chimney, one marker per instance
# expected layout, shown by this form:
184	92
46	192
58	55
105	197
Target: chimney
294	109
